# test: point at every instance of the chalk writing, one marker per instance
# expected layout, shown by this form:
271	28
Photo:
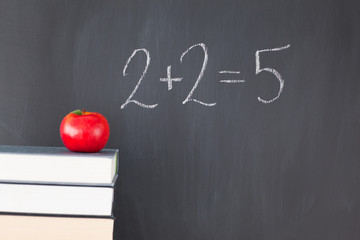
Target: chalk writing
271	70
231	80
129	100
190	98
169	79
201	74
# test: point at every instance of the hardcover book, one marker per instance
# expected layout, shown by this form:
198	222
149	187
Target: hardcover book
57	165
56	199
16	227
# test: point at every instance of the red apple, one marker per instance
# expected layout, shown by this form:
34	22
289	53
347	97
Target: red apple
83	131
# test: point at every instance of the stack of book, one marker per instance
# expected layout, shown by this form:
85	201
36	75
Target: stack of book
52	193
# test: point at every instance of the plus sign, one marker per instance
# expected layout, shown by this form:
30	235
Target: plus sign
168	78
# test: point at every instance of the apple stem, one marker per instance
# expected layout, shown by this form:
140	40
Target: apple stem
83	112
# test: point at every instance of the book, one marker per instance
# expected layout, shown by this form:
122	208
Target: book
57	165
56	199
13	227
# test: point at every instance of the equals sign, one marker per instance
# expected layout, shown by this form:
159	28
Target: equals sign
231	80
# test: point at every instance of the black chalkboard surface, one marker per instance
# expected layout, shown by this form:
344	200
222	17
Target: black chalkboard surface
234	119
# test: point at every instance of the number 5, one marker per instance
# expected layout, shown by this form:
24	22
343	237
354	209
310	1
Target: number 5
271	70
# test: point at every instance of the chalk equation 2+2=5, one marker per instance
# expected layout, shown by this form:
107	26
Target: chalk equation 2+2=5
170	80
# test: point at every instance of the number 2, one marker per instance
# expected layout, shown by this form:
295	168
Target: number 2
271	70
129	100
201	74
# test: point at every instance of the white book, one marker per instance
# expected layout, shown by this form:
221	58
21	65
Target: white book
57	164
56	199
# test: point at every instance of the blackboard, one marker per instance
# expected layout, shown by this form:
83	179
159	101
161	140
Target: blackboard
272	154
